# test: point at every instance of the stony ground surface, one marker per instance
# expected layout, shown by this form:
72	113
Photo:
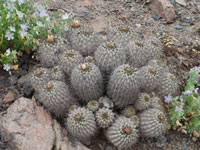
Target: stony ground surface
176	26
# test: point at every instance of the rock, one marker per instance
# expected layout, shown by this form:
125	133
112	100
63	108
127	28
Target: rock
179	27
156	17
9	97
32	128
13	80
181	2
164	9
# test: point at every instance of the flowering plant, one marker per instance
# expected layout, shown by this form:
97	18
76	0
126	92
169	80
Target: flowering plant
184	110
23	25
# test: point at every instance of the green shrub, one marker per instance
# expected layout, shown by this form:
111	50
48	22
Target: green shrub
184	110
23	25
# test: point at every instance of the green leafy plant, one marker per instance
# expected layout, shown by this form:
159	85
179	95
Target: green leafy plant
23	25
184	110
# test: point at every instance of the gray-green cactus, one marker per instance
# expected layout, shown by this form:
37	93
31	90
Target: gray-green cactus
123	85
69	60
93	105
87	82
104	117
123	133
109	55
168	85
56	97
57	73
84	40
81	124
140	52
153	123
128	111
143	102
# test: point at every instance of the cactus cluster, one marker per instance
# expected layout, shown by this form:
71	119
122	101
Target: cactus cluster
110	85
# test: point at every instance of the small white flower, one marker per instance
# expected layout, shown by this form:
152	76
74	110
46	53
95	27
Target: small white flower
23	34
33	57
48	18
11	7
9	35
65	16
40	7
8	15
12	1
12	28
40	24
10	73
8	52
20	14
21	2
43	14
24	27
36	32
6	67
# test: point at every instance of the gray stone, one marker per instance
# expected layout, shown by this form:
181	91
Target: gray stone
32	128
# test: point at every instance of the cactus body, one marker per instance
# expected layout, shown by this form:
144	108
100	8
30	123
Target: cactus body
55	96
122	133
153	122
140	52
168	85
87	82
57	74
109	55
143	101
93	105
104	117
69	60
81	124
123	86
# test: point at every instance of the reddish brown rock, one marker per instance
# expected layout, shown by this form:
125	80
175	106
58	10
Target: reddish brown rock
164	8
9	97
32	128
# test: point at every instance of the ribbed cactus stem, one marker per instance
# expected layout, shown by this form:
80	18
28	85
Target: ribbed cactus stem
89	59
105	116
55	69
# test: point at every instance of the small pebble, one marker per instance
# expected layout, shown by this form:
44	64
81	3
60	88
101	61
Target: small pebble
179	27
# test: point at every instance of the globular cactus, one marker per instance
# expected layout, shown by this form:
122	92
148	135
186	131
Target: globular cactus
81	124
84	40
135	119
153	123
143	102
87	82
57	73
38	77
157	103
104	117
160	65
109	55
49	52
123	86
106	102
55	96
168	85
69	60
140	52
93	105
149	78
123	133
122	34
128	111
